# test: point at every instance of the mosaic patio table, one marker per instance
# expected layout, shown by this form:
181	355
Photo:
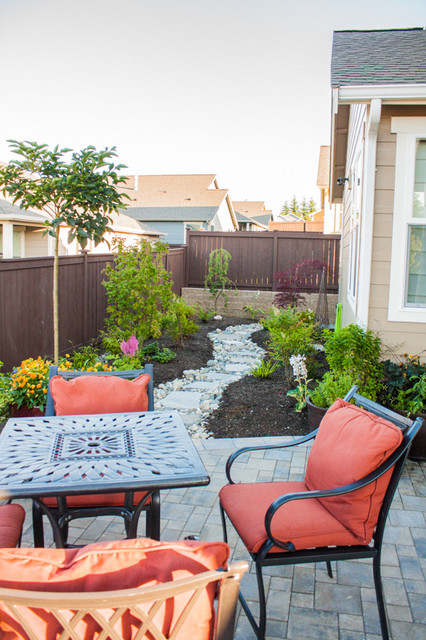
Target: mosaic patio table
88	454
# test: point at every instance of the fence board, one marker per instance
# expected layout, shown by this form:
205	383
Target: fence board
26	324
256	256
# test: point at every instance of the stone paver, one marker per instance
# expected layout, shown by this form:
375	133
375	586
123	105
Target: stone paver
303	602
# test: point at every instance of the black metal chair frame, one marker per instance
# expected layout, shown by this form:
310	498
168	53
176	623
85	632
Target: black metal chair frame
327	554
128	511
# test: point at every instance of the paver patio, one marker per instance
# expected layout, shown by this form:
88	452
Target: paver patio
303	602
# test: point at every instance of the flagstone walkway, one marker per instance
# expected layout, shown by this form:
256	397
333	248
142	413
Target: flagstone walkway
303	602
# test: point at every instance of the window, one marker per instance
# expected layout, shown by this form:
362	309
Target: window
407	294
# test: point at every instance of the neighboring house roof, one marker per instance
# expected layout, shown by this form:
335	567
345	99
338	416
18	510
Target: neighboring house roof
263	220
12	213
124	223
252	209
252	221
184	191
392	56
288	217
323	176
172	214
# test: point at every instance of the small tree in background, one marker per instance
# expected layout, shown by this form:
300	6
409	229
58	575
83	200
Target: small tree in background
294	281
74	188
217	281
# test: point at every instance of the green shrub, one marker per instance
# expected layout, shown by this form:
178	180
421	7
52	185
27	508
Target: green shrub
177	322
265	369
331	386
217	280
138	289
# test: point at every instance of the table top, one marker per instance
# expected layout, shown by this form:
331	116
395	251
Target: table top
66	455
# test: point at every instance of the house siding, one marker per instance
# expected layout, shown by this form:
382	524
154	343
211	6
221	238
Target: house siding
397	337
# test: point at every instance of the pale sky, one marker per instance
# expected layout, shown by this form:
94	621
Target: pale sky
238	88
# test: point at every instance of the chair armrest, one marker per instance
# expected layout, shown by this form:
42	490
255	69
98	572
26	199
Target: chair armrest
261	447
337	491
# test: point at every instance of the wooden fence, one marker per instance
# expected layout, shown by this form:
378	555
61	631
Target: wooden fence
26	327
26	324
256	256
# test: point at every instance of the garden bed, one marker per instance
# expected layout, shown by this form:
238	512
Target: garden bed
249	407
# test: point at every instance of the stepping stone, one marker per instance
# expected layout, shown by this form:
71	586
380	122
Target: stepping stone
182	400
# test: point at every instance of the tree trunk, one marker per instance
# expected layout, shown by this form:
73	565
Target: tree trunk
56	301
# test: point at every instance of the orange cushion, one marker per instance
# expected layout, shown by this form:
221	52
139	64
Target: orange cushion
96	500
12	518
99	394
110	566
304	523
350	444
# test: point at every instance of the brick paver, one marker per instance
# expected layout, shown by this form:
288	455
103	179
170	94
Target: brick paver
303	602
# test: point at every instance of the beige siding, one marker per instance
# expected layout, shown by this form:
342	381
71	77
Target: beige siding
398	337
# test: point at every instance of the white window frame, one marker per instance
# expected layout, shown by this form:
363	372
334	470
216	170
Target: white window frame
408	131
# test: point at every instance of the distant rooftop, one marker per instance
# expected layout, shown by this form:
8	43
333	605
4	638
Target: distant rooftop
381	57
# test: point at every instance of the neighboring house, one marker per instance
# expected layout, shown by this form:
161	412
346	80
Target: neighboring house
22	234
252	215
176	203
332	212
378	174
292	222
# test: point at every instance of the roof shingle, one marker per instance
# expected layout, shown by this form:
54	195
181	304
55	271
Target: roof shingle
382	57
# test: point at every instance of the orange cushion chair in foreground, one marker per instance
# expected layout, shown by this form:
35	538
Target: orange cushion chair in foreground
130	588
82	392
351	476
12	518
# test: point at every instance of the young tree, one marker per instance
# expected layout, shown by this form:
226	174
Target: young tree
74	188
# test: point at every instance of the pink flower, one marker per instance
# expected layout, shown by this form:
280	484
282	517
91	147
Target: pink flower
130	346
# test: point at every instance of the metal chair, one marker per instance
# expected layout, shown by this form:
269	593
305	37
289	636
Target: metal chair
88	506
280	512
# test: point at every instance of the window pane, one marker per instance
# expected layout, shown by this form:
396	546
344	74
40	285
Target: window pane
416	284
419	201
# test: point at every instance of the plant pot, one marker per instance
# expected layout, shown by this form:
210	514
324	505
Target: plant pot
24	411
315	414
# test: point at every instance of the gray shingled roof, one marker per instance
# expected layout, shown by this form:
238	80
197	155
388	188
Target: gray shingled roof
171	214
13	212
394	56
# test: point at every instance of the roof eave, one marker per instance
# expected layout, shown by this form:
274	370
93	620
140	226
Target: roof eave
388	94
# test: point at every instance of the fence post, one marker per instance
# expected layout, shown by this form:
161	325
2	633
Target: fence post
274	259
86	294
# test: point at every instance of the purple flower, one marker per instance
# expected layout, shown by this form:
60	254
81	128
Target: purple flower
130	346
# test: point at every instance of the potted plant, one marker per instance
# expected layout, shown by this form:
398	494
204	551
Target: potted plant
28	388
353	356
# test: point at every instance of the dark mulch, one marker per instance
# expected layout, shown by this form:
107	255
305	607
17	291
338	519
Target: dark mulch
249	407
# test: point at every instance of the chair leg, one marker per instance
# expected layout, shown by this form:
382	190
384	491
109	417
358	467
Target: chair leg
223	517
262	599
379	596
153	517
329	569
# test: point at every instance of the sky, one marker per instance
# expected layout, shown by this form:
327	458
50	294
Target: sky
236	88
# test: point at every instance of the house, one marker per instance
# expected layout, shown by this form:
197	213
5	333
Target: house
176	203
378	174
22	234
252	215
332	213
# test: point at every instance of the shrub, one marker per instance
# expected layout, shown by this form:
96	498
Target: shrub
138	290
331	386
291	332
265	369
356	352
177	322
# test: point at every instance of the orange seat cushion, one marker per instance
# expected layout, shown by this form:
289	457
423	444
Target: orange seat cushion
96	500
12	518
110	566
99	394
305	523
350	444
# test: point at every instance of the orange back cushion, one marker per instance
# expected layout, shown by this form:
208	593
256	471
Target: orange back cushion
107	566
99	394
350	444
